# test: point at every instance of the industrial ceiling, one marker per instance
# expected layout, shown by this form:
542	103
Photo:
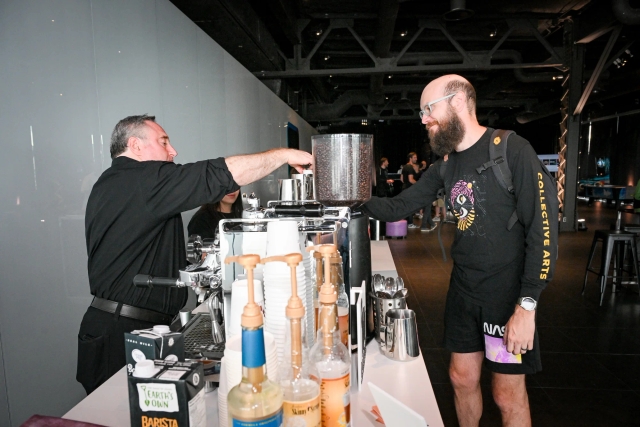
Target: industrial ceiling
341	61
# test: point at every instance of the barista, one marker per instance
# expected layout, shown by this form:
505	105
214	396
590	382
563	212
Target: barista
205	222
133	226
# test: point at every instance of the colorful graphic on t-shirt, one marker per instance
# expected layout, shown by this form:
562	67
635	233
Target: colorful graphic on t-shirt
462	201
496	351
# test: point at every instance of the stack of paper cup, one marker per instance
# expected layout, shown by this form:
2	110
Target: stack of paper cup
282	239
223	391
239	298
309	313
233	359
277	294
255	243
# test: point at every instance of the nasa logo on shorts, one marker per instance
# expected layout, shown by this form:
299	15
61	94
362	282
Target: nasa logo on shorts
196	379
171	342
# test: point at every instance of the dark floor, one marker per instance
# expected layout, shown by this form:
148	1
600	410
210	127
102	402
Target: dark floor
590	354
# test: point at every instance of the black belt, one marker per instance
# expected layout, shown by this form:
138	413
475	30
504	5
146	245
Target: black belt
131	311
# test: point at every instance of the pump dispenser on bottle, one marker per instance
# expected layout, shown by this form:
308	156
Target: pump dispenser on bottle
301	394
329	359
256	401
337	280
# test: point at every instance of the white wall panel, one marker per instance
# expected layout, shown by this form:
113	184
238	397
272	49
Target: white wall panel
213	112
178	65
47	73
126	61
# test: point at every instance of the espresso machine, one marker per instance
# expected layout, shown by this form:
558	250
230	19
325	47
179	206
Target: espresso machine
324	202
205	333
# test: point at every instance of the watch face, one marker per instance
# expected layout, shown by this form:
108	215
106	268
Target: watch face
528	303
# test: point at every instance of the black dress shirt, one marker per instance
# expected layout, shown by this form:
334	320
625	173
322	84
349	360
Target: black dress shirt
133	226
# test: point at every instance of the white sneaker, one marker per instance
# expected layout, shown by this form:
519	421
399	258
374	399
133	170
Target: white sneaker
435	218
418	215
413	226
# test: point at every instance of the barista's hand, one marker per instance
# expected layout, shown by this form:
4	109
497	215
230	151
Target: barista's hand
519	331
299	159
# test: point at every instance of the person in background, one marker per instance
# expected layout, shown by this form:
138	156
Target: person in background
498	274
422	169
427	224
409	177
205	221
133	225
384	184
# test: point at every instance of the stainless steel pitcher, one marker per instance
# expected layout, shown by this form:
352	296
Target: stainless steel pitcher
399	335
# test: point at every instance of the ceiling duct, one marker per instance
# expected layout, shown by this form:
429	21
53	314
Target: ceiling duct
339	107
458	11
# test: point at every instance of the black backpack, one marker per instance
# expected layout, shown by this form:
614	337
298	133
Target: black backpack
498	163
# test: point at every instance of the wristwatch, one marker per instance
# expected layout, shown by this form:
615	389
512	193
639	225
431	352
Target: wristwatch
527	303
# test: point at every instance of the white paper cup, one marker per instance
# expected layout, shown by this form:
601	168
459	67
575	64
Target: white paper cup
239	298
282	238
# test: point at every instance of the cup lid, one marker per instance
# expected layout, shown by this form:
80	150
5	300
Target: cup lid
161	329
145	369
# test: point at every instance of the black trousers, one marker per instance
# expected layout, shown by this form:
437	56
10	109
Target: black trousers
101	346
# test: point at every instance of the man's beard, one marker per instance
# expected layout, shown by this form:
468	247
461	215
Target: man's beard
449	135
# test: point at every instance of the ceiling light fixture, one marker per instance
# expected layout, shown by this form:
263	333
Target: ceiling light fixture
404	33
458	11
319	33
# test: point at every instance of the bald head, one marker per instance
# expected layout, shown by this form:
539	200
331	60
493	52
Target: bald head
450	84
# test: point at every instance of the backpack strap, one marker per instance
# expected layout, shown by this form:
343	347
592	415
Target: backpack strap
498	162
500	166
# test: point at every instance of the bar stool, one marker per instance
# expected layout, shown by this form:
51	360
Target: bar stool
397	229
635	229
611	239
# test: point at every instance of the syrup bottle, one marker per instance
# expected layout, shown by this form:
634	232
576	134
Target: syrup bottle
329	359
301	394
256	401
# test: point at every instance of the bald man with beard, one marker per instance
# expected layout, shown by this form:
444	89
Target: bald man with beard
496	278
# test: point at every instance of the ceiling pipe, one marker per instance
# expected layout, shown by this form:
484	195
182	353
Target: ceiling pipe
455	57
625	13
458	12
339	107
386	24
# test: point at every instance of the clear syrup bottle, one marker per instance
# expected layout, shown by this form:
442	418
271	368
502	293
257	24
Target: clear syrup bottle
329	359
337	279
301	407
256	401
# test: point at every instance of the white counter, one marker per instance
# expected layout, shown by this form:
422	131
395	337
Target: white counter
407	381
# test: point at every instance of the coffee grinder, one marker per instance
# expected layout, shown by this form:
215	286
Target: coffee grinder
342	177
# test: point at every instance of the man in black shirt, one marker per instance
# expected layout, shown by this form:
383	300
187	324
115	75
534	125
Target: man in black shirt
498	274
384	184
133	226
409	177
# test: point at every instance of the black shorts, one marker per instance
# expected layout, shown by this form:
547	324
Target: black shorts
469	328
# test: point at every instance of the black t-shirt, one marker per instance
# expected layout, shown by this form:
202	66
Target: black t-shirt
133	226
408	170
205	222
383	188
491	263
